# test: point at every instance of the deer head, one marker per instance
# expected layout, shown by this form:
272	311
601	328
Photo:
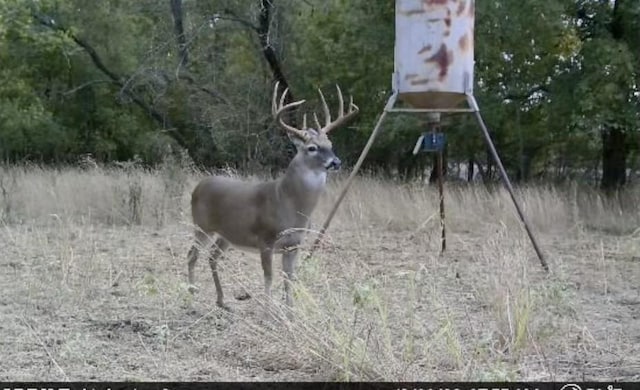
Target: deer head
312	144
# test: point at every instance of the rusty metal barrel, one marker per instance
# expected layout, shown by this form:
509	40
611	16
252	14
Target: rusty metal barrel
434	55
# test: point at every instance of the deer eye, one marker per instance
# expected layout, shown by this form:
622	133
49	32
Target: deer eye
312	148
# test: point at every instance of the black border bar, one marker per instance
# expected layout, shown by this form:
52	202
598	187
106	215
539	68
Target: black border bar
320	385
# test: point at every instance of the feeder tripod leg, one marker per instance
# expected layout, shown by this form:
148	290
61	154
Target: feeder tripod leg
505	178
441	191
352	176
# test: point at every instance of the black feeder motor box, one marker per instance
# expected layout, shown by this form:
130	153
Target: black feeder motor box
430	142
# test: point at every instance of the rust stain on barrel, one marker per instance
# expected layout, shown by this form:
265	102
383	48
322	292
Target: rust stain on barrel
443	59
447	21
461	7
420	82
412	12
449	62
463	42
411	76
436	2
425	49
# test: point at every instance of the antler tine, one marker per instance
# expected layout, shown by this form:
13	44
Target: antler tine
325	108
315	118
352	107
278	109
274	108
342	116
304	121
340	101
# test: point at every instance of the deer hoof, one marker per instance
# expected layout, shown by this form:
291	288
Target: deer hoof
224	307
243	297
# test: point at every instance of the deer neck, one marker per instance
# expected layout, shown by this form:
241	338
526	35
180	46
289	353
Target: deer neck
302	186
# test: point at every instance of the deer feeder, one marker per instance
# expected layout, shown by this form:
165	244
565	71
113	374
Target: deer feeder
434	52
433	74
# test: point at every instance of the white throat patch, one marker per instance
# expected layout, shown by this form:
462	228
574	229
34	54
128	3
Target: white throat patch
315	179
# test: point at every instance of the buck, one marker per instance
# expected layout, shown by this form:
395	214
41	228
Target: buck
267	217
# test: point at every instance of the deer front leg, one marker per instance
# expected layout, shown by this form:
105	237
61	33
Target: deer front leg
266	256
220	246
289	259
192	257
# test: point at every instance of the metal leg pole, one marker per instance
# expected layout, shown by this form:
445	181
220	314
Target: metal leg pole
434	127
441	191
505	178
354	172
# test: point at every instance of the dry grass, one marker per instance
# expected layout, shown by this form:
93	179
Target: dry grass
94	286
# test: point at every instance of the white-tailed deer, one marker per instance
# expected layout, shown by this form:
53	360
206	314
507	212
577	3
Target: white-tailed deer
267	217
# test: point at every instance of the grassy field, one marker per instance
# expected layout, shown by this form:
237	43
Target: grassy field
93	273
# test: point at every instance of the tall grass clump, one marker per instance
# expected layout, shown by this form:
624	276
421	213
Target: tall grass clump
124	193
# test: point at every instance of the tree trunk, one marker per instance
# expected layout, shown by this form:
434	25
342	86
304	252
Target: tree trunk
178	27
614	159
471	163
523	173
271	56
488	173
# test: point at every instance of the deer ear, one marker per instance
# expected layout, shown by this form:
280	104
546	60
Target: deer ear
299	143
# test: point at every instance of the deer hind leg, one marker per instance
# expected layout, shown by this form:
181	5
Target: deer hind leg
220	246
289	259
201	241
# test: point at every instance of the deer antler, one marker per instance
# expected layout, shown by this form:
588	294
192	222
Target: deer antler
342	116
278	109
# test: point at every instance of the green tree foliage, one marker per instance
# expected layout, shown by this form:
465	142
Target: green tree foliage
558	82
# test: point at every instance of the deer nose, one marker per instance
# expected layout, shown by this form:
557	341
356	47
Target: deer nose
335	163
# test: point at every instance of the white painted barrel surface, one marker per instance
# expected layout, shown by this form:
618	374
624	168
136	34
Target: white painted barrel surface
434	52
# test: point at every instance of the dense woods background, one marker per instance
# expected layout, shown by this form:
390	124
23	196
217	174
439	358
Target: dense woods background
558	82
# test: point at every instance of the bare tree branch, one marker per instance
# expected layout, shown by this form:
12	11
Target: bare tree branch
84	85
233	17
214	94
